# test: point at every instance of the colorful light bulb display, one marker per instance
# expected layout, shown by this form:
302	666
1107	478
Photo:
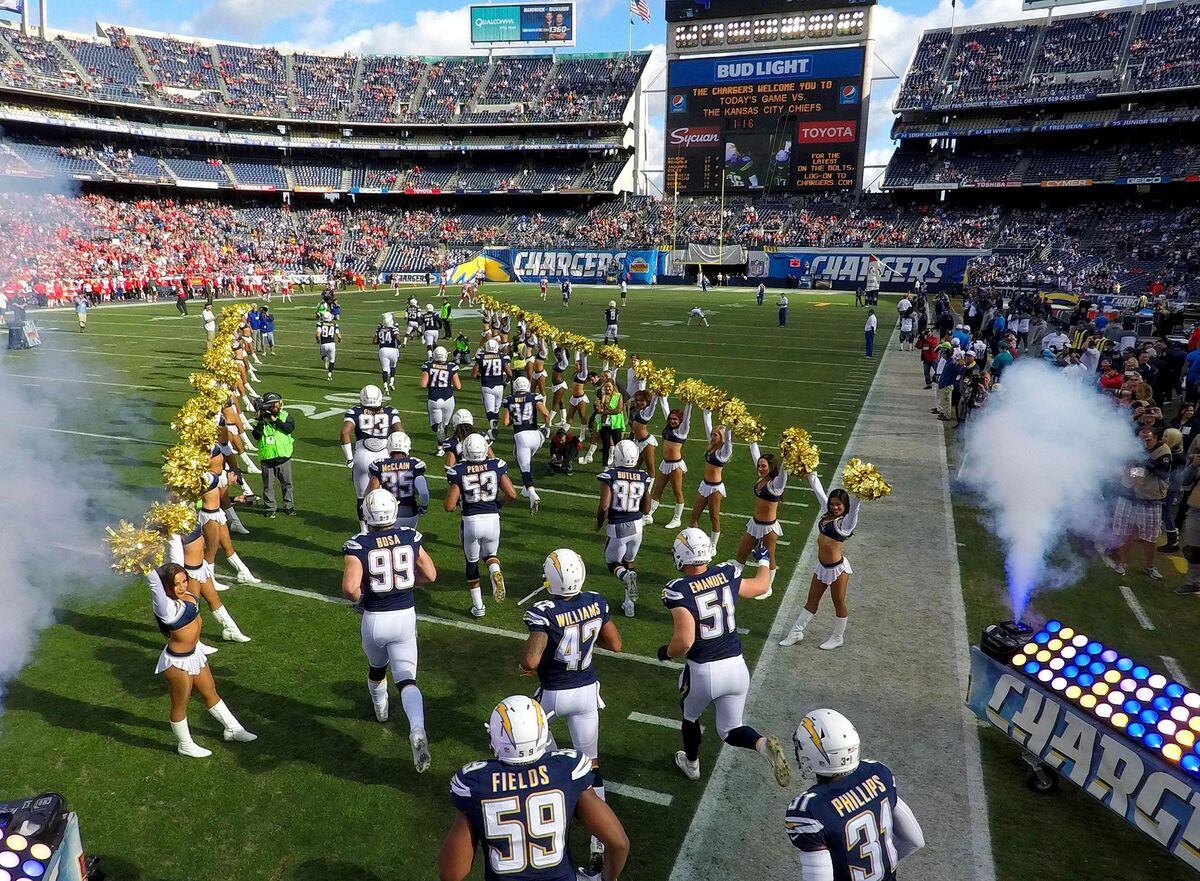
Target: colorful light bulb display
22	859
1147	707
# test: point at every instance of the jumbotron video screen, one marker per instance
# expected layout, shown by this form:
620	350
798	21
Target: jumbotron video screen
785	121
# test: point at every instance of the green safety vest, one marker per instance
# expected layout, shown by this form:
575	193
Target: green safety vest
274	444
616	420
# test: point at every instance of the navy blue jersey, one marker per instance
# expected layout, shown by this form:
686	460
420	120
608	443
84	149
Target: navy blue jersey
376	422
451	445
491	368
412	315
610	316
398	475
431	321
629	486
389	566
327	332
710	598
478	484
521	814
522	407
572	625
440	385
386	336
851	817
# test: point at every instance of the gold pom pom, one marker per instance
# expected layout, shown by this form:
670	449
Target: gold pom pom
863	479
662	382
219	362
185	470
196	423
173	518
135	551
800	454
700	394
614	355
742	422
644	369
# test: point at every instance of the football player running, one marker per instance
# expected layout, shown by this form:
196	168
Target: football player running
624	501
403	476
851	824
412	320
492	369
382	565
369	425
703	603
522	409
477	483
387	337
328	336
563	632
431	326
439	377
519	806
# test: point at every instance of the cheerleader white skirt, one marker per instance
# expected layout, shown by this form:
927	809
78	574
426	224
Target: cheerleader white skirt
706	489
827	575
191	663
217	516
647	441
667	468
558	387
576	400
758	529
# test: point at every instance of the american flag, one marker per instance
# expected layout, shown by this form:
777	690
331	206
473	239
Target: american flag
640	9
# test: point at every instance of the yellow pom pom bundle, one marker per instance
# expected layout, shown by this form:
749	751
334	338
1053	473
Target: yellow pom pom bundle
173	518
800	454
614	355
135	551
185	470
700	394
863	480
743	423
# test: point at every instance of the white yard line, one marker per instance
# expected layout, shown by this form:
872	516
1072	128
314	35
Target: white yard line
648	795
661	721
1136	607
1175	670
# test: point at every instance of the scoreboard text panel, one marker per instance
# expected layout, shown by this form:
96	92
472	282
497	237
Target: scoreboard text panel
788	121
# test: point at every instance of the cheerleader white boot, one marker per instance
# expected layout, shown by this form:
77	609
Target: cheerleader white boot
713	538
244	575
248	463
230	632
676	518
233	728
207	649
185	746
838	637
257	361
796	634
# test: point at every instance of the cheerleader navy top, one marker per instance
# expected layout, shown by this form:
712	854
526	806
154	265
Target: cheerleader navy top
772	490
719	458
840	528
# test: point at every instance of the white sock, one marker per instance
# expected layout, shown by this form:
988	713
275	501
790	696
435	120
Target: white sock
771	578
802	619
714	537
654	505
494	567
246	460
414	708
236	562
378	691
678	511
476	598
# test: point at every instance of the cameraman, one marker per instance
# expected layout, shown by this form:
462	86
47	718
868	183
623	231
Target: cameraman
273	429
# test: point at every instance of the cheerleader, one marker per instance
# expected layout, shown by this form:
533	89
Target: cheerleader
188	551
641	411
535	369
219	461
672	468
558	384
577	406
833	570
764	527
182	663
711	490
215	526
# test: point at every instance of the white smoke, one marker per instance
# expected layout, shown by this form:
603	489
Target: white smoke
1040	454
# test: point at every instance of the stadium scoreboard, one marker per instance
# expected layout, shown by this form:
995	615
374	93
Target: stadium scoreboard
516	25
780	122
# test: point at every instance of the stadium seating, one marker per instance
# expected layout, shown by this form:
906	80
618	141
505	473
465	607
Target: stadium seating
111	66
451	83
38	65
324	85
388	83
256	79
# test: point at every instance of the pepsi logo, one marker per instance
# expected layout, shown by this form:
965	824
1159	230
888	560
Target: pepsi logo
678	103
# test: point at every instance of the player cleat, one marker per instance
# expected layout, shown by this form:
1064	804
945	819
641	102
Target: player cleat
627	605
420	749
690	771
631	584
478	611
381	708
245	576
834	642
498	591
534	502
596	858
329	377
795	635
233	634
779	762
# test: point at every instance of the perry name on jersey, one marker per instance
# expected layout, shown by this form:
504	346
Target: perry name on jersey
389	567
710	598
571	625
539	799
479	485
629	486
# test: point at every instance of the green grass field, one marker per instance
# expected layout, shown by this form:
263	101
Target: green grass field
326	791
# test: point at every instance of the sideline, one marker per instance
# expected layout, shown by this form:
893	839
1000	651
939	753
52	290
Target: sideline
900	677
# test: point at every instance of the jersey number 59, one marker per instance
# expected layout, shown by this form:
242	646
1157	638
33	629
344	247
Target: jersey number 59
538	842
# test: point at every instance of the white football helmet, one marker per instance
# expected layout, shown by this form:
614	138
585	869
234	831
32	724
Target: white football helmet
327	317
625	454
491	346
521	384
379	508
370	396
412	301
564	573
389	320
399	442
612	304
440	355
458	417
429	307
475	448
692	547
519	730
826	744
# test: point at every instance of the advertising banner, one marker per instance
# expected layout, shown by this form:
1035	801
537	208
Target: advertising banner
588	267
523	24
847	267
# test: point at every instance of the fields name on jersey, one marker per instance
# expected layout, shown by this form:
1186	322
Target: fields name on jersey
519	781
1126	780
573	264
853	267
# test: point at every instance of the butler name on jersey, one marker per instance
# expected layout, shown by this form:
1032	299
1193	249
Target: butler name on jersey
521	814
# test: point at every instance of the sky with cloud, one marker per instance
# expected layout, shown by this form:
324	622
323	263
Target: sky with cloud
432	27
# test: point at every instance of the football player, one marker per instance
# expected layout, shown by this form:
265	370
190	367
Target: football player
563	632
387	337
440	378
703	605
431	326
403	476
611	314
519	806
542	286
492	370
382	565
328	336
462	426
851	824
369	423
624	501
522	410
477	483
412	320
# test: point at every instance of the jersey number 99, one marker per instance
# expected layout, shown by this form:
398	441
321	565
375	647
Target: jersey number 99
538	841
391	568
